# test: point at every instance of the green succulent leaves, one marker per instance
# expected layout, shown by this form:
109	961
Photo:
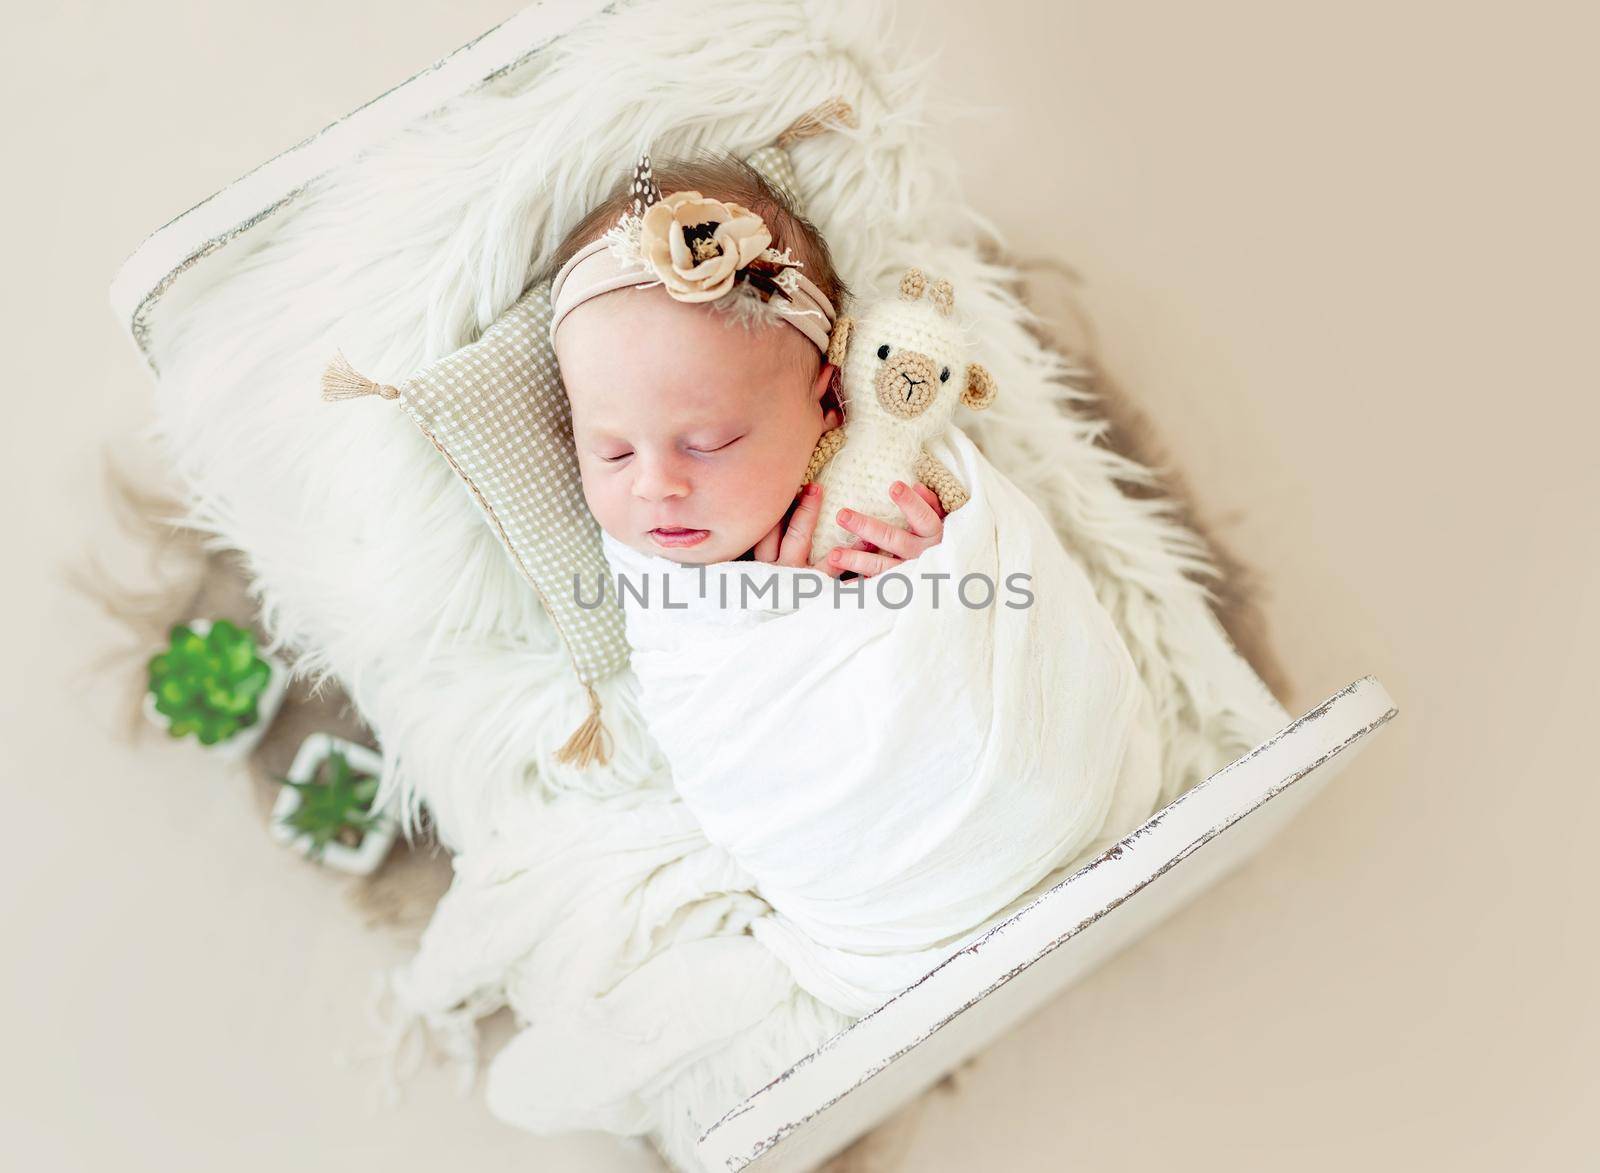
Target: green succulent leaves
209	685
336	798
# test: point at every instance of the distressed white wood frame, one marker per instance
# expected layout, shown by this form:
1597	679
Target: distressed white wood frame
866	1072
178	261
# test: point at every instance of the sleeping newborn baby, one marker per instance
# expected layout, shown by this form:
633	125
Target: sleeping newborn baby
860	786
694	422
887	771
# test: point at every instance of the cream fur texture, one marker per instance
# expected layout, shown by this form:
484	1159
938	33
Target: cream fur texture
372	564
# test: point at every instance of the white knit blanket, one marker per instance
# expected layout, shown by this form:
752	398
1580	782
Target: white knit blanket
621	936
860	789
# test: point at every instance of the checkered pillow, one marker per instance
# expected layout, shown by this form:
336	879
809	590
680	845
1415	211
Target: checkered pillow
497	411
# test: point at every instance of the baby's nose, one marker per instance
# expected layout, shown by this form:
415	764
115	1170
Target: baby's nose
656	482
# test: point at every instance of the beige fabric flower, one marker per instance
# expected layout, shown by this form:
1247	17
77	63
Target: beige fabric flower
696	246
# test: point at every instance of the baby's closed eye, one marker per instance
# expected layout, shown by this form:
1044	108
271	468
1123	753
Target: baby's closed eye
613	458
718	447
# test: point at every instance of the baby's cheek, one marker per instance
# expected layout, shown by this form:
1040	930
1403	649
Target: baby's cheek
591	495
606	498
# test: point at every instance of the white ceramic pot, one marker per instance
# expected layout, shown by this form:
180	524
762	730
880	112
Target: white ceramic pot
237	747
375	844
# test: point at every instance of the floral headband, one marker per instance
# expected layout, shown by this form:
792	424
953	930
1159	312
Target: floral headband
699	249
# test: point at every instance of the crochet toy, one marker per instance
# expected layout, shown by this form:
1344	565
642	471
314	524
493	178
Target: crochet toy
901	373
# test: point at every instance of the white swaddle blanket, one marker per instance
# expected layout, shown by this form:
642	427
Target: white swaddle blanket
892	762
858	792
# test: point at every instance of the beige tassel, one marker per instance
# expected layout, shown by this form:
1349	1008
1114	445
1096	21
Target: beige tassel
590	741
818	120
340	381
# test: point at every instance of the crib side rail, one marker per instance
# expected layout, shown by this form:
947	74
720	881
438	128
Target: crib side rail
863	1074
180	258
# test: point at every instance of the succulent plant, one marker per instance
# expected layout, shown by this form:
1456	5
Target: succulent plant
209	685
335	803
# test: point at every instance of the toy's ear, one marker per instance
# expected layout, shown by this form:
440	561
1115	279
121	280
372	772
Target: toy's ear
912	284
839	340
981	389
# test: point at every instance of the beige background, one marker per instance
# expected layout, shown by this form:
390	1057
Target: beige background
1343	256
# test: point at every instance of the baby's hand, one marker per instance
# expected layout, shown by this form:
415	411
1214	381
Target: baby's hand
880	546
788	542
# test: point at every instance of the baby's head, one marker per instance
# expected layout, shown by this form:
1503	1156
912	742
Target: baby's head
692	415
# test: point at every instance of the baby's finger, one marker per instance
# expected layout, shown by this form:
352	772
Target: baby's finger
796	547
884	536
826	566
924	521
930	497
847	558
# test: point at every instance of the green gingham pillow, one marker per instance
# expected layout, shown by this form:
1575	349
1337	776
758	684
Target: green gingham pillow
496	410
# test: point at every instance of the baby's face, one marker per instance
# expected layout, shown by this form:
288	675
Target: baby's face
685	420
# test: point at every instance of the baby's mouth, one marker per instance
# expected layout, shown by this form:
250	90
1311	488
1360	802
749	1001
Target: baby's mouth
677	535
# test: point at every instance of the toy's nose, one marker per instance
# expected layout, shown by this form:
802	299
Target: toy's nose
914	366
903	383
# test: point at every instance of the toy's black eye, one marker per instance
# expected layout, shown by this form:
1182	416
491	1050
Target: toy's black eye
944	375
883	351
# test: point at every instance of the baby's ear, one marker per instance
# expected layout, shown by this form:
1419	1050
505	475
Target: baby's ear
980	389
827	391
839	340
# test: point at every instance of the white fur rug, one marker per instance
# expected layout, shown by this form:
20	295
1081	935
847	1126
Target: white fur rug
373	565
